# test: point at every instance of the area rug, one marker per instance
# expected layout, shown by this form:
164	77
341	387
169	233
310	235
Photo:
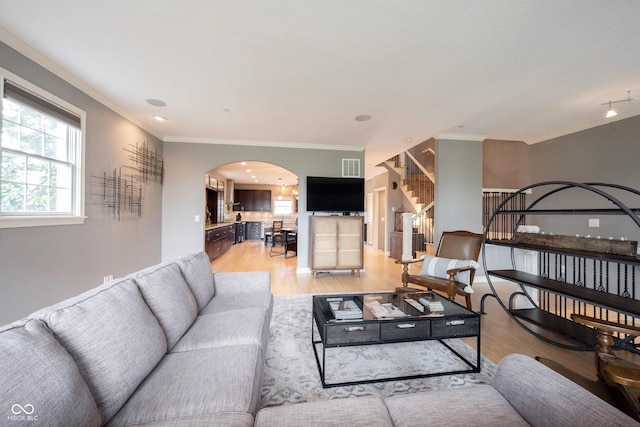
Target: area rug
291	373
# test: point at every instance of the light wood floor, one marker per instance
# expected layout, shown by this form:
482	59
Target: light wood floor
500	335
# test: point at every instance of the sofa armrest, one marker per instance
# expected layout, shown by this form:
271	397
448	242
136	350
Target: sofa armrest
545	398
242	282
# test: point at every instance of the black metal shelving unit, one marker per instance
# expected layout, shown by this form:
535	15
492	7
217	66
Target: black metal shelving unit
568	280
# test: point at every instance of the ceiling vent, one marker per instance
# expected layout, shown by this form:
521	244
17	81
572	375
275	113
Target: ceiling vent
351	168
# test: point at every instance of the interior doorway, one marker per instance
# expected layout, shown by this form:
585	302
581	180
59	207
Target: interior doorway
379	216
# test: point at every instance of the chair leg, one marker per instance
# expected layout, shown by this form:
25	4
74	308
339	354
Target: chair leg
467	299
275	242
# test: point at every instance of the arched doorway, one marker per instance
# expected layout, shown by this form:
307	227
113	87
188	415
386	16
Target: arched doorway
254	193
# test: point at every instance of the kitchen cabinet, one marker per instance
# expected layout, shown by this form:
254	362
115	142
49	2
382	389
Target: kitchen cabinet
252	200
218	240
254	230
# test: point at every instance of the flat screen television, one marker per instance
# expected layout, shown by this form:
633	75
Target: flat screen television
335	194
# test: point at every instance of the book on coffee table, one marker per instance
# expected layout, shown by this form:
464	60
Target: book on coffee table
345	310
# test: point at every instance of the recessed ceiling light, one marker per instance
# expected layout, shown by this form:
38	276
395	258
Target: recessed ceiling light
255	180
243	163
248	170
363	118
160	118
407	140
156	102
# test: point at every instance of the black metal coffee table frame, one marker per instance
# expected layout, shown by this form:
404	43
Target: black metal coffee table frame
456	322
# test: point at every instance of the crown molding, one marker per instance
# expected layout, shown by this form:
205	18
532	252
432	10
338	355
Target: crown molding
461	137
259	143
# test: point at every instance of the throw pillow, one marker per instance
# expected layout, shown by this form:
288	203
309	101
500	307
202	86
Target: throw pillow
437	267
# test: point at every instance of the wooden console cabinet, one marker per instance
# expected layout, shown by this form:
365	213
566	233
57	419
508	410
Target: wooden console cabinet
336	243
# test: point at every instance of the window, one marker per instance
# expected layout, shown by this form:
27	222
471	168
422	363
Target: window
282	207
41	144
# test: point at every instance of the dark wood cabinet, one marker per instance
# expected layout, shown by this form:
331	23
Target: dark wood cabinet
254	230
252	200
395	244
218	240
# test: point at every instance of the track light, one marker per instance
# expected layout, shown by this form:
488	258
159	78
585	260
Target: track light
611	112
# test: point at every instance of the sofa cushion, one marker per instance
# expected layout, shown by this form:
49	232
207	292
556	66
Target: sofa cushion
230	302
169	298
478	405
237	327
247	282
197	384
40	379
113	337
543	397
227	419
352	412
438	267
196	270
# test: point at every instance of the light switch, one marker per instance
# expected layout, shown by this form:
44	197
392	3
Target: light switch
197	218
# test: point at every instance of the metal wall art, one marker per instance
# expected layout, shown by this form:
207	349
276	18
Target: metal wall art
122	194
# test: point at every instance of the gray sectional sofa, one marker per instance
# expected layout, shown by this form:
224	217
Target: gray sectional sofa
177	345
524	393
171	345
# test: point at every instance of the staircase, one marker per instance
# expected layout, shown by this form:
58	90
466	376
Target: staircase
417	183
418	187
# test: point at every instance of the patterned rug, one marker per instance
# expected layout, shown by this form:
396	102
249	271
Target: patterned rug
291	373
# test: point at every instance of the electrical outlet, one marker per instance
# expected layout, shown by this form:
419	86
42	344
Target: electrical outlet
197	218
107	279
594	222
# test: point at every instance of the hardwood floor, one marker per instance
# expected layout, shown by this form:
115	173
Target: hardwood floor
500	335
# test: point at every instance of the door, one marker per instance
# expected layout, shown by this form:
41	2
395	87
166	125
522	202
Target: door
369	216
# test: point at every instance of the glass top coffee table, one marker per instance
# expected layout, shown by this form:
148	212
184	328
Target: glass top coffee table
390	318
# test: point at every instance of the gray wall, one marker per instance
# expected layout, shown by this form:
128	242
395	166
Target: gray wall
43	265
183	191
607	154
458	186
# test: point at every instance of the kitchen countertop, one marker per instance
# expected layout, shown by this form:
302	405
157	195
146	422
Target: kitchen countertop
220	224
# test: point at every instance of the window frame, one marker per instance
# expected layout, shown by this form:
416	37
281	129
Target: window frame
78	180
283	199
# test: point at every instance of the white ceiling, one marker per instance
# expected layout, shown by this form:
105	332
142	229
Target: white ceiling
296	73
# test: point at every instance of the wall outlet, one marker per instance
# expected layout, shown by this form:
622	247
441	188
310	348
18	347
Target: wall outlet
107	279
197	218
594	222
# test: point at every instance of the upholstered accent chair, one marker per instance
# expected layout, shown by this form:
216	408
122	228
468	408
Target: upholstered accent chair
451	270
